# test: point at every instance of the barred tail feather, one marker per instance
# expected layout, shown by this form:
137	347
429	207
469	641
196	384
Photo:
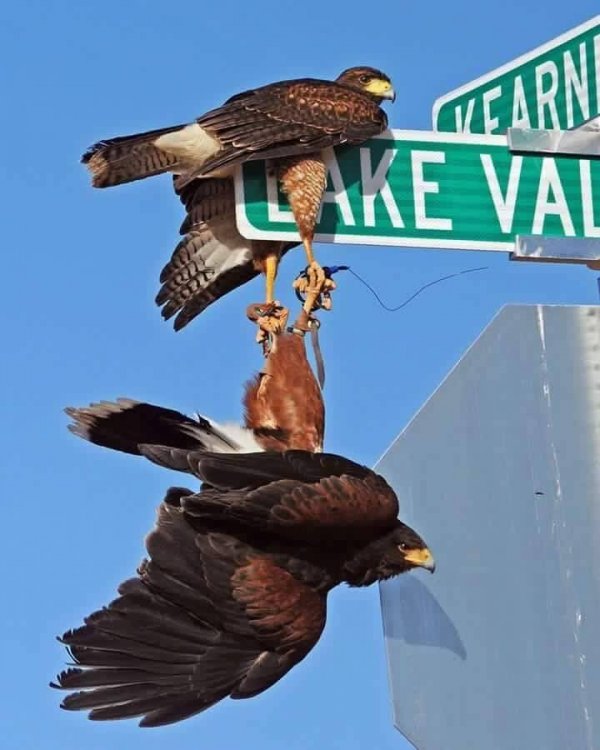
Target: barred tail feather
129	158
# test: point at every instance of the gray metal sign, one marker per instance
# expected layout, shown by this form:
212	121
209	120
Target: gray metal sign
500	470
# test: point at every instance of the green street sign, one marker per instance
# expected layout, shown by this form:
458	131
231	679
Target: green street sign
423	189
556	86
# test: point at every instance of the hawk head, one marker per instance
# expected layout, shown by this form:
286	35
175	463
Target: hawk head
369	80
389	555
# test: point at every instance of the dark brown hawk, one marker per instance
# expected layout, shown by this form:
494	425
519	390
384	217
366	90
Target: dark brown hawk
234	592
283	410
289	123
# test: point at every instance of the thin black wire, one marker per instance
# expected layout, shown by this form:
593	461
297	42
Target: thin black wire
416	294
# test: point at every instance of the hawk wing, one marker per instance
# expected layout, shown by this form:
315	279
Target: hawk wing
252	470
289	118
295	494
207	617
213	258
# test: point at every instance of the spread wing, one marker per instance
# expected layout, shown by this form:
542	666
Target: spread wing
208	617
288	119
296	494
213	258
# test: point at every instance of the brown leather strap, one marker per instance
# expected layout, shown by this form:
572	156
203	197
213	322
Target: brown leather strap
314	336
301	325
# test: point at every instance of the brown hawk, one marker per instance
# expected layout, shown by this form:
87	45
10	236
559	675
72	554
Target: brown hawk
234	591
289	123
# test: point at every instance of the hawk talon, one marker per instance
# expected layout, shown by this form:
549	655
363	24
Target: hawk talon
316	275
313	288
325	302
265	340
271	319
258	310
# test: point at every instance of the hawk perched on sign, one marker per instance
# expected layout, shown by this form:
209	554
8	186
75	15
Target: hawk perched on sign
289	123
283	410
234	592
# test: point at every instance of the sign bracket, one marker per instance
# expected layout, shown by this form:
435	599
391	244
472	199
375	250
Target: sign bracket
582	250
582	142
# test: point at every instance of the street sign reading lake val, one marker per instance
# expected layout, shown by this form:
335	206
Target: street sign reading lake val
423	189
556	86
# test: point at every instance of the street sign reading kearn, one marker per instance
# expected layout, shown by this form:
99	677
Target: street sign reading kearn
423	189
556	86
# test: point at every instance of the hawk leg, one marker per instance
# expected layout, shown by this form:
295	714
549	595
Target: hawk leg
314	287
271	266
304	179
270	316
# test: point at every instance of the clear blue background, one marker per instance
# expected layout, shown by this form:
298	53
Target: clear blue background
79	272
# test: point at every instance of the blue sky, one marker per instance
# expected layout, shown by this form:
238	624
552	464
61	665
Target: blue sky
80	273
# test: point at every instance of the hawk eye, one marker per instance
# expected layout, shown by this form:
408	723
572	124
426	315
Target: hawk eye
364	78
403	547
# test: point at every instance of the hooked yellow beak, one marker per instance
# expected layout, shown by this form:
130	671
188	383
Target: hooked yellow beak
422	558
381	88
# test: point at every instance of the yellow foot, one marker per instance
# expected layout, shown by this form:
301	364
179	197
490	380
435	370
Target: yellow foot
271	319
314	286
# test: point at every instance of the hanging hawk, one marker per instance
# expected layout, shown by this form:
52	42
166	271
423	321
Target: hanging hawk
283	410
234	591
289	123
